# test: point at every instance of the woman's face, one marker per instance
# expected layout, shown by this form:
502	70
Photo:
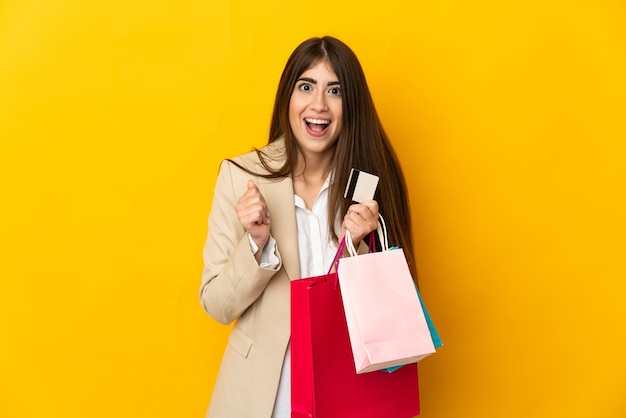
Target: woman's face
315	110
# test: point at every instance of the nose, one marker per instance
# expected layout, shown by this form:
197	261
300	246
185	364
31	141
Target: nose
318	101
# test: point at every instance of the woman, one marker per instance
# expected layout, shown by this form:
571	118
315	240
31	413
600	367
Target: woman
278	214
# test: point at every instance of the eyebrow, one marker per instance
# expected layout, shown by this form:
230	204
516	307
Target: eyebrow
310	80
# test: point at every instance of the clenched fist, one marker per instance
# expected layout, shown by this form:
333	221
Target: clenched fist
253	215
360	220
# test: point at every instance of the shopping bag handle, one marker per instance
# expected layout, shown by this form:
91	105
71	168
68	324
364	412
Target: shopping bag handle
382	236
335	263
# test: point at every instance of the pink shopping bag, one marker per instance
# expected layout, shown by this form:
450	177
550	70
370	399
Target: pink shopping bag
324	383
385	319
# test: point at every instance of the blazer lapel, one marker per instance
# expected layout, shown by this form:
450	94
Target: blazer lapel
280	201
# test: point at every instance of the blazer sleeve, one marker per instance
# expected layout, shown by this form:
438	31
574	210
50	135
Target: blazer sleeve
232	279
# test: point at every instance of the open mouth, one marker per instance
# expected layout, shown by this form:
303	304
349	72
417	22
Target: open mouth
317	125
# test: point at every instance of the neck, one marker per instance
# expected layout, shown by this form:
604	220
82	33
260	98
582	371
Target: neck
308	178
314	168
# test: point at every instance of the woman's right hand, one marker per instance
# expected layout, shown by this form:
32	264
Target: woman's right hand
254	215
360	220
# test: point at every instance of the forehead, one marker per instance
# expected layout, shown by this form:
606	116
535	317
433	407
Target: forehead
322	65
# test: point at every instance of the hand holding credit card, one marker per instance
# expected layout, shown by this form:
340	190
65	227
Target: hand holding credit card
361	186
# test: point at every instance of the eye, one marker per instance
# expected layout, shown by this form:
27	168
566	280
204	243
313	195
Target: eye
335	91
305	87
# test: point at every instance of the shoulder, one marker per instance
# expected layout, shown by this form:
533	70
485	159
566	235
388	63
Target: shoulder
273	154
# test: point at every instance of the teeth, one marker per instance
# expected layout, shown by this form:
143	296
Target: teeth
317	121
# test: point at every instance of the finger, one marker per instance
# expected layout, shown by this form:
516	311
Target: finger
355	209
372	205
260	212
252	200
249	217
360	221
360	212
254	193
256	204
355	236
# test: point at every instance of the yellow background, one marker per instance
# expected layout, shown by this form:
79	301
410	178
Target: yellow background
509	119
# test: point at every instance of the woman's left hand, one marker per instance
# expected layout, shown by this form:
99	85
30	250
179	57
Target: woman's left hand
360	220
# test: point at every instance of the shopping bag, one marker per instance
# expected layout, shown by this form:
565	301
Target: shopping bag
434	335
386	323
437	341
324	383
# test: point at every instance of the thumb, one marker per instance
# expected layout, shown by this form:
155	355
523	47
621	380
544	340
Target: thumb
251	185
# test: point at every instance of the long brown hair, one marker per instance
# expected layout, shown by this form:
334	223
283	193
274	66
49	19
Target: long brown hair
362	142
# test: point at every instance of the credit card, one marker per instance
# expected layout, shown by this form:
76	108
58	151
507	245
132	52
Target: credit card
361	186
